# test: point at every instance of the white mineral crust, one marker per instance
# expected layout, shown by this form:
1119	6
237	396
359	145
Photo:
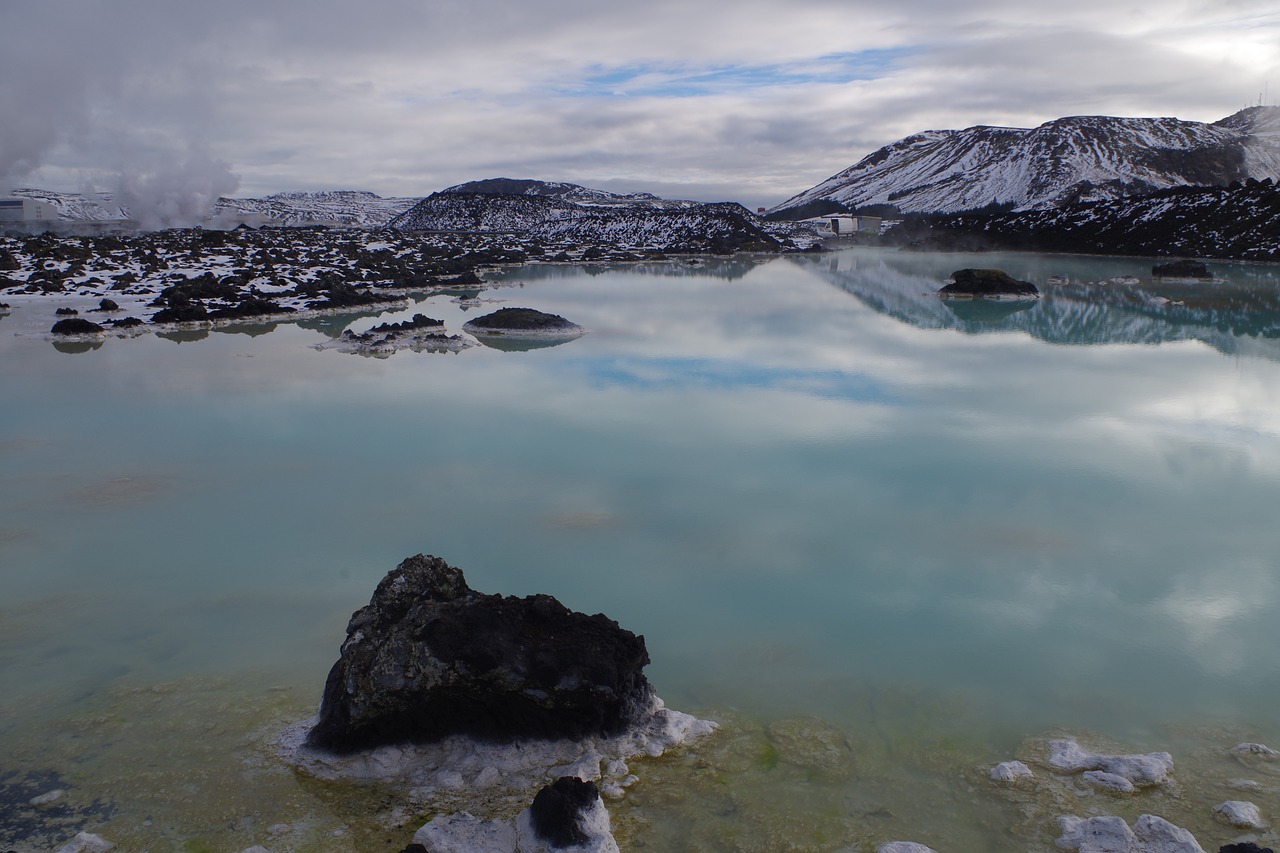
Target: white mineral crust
1010	772
86	842
1109	834
1141	770
1108	781
1240	813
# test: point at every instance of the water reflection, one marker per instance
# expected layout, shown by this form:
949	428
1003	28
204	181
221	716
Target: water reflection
977	312
183	336
253	330
77	347
816	512
519	344
731	268
1084	300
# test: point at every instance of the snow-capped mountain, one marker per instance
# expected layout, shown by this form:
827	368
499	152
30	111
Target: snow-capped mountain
95	207
566	192
725	227
332	207
1081	158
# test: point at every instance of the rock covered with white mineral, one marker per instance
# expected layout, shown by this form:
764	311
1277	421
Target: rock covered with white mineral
1011	772
1109	834
1240	814
568	814
1141	770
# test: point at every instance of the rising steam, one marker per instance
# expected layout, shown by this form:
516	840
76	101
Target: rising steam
175	193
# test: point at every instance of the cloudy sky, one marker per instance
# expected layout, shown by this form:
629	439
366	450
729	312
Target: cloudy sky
750	100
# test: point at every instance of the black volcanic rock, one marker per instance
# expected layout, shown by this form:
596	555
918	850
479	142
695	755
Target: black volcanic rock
521	320
76	326
987	282
419	321
430	657
722	228
557	809
182	312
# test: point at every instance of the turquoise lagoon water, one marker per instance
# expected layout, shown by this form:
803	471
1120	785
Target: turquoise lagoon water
829	500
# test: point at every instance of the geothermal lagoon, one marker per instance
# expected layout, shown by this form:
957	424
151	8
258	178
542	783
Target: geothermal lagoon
886	541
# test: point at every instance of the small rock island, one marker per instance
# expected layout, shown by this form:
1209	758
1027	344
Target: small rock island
987	284
523	322
430	657
506	718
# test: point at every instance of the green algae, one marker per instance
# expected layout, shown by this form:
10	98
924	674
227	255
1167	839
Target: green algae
191	765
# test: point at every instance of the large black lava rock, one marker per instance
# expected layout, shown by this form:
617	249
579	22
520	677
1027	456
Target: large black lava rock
430	657
521	320
973	282
76	326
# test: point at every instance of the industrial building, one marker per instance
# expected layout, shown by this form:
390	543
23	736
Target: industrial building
26	210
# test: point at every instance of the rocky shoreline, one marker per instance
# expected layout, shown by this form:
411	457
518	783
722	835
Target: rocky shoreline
191	279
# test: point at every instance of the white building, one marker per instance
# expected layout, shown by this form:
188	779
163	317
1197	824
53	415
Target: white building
844	224
26	210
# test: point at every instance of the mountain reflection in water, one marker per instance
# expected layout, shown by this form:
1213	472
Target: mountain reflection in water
1089	308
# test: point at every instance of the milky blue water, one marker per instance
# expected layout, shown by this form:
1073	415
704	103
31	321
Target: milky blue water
804	481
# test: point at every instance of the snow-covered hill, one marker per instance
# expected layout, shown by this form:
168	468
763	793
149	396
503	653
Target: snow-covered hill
95	207
336	207
1082	158
1239	221
698	228
333	207
567	192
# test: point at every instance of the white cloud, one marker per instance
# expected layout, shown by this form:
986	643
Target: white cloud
749	100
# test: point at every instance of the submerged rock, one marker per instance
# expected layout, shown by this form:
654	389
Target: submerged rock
1140	770
1241	814
814	744
1011	772
1108	781
1246	751
86	842
429	657
904	847
987	283
1108	834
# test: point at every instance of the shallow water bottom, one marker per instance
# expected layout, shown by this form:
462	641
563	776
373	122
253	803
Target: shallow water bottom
191	765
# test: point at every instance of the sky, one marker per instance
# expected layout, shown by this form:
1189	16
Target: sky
750	101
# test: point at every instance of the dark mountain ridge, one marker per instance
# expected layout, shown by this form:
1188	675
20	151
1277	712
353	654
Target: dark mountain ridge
717	228
1240	221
